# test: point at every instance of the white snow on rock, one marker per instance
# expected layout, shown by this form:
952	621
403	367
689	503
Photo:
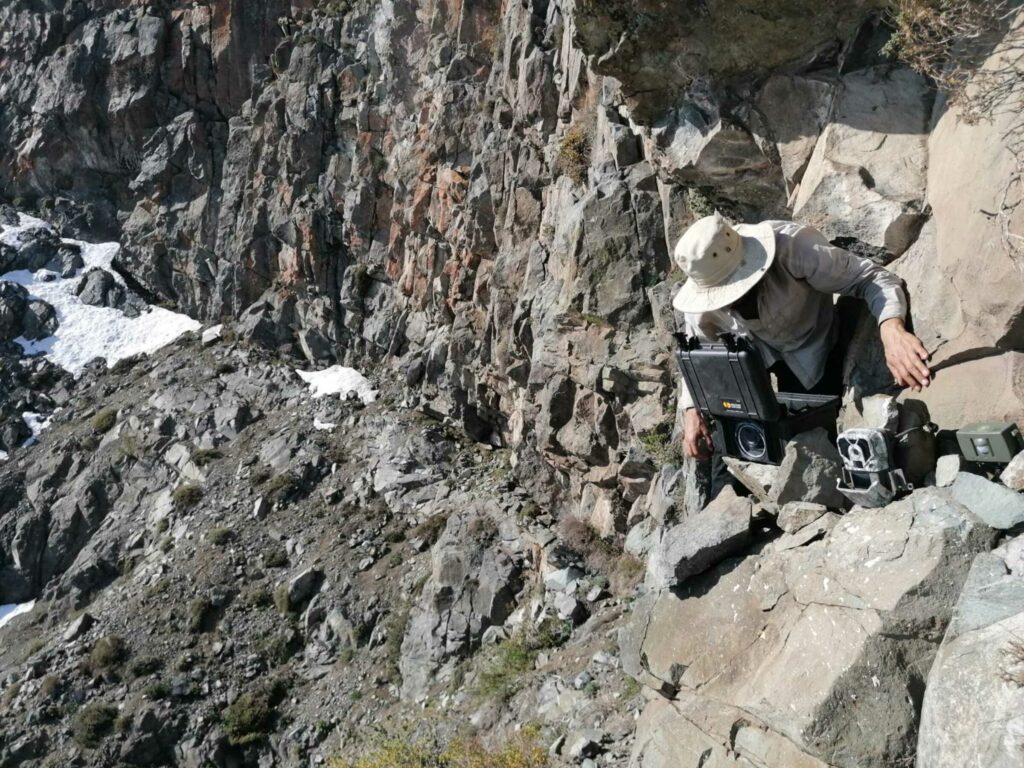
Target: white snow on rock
4	456
338	380
9	611
87	332
323	426
36	423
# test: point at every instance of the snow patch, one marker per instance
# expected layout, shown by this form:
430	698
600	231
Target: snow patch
338	380
4	456
88	332
9	611
323	426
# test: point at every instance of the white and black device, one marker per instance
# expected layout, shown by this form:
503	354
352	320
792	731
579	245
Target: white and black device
870	477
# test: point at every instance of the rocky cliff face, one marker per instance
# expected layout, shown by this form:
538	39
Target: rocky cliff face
479	199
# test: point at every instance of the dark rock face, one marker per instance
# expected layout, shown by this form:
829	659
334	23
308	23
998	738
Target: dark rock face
21	316
99	288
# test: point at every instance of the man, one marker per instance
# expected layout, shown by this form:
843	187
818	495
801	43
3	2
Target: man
774	282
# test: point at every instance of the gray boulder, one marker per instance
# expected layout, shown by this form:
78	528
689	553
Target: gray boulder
809	472
99	288
973	712
1013	476
39	321
700	541
997	505
13	303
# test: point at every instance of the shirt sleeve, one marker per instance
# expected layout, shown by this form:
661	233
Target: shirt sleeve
833	270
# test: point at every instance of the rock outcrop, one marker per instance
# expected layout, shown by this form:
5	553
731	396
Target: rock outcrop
977	674
817	648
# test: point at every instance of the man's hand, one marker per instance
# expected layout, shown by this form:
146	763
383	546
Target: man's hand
905	355
696	435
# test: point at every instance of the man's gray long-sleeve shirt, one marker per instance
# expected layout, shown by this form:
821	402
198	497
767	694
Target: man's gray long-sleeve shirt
795	302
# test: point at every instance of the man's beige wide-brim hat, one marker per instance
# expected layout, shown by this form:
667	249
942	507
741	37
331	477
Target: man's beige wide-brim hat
721	262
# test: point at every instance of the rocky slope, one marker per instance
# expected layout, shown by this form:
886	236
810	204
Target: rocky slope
477	201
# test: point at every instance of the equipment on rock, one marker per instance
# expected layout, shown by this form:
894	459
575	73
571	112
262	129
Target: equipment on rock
731	388
869	475
990	442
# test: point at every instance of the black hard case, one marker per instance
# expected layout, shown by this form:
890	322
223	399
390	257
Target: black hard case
730	385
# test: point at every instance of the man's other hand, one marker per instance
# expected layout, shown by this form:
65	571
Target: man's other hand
905	355
696	435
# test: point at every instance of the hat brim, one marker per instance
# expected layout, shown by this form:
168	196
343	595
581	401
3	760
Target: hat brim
758	256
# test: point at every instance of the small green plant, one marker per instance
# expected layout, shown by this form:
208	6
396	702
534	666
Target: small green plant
337	7
129	447
659	446
281	600
107	653
257	597
49	686
157	691
103	421
186	495
199	611
524	750
506	669
356	696
574	153
394	634
361	278
145	666
699	202
627	572
630	689
275	557
282	487
249	717
205	456
220	536
278	647
430	529
92	723
10	694
224	367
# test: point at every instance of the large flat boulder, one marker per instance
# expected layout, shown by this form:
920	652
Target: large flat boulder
826	645
973	713
996	504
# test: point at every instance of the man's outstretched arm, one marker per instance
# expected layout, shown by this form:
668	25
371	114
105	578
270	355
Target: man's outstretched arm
833	270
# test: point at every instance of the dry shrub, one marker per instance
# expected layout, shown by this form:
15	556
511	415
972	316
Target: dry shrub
521	751
574	153
948	40
1014	673
600	555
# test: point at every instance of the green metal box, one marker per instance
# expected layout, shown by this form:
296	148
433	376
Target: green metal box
992	442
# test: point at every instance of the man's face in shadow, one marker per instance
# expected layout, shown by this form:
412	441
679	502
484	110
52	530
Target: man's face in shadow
746	307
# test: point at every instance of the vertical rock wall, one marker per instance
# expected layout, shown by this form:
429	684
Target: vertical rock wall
485	193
